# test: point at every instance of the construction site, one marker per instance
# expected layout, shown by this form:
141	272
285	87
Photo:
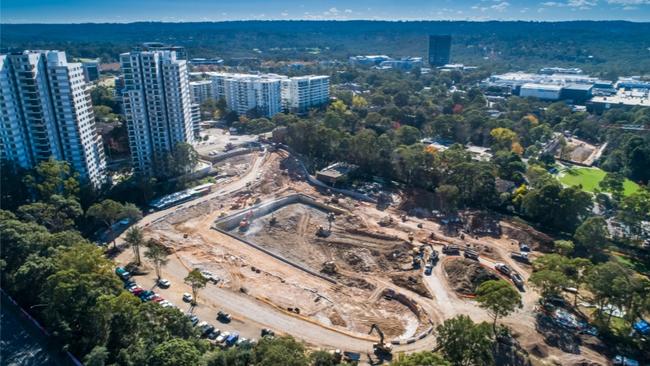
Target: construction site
292	255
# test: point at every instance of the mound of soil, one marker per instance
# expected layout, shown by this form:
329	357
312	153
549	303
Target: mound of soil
411	282
465	276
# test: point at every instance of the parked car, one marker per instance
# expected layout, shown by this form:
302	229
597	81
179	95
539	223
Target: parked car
223	317
187	297
193	319
164	283
231	339
266	332
503	268
222	337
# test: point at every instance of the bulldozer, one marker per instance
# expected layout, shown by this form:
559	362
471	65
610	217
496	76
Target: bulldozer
381	349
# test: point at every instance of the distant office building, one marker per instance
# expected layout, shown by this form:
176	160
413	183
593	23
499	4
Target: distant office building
301	93
201	91
404	64
439	50
541	91
91	68
157	105
206	61
368	60
46	112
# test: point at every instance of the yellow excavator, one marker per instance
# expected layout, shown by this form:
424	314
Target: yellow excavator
381	349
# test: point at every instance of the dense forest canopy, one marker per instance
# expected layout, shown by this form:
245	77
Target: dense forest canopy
601	48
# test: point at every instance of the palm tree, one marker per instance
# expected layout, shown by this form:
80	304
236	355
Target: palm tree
157	254
134	239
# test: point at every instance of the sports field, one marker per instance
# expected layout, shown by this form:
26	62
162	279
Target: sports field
589	178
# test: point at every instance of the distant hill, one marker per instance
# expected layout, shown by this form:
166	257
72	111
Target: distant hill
615	47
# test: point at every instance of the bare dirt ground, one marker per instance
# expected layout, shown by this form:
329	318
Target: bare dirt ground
370	263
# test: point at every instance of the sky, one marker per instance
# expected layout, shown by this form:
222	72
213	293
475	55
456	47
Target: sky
121	11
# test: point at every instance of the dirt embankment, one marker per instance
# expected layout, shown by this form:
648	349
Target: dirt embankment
465	276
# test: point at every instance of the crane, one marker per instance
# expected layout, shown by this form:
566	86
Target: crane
381	349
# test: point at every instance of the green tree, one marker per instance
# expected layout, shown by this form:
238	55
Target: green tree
424	358
58	214
108	212
280	351
465	343
499	298
197	281
322	358
134	239
175	352
96	357
157	254
613	183
53	177
591	236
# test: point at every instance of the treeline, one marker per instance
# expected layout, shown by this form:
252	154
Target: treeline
606	48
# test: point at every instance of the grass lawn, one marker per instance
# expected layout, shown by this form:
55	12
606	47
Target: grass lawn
590	177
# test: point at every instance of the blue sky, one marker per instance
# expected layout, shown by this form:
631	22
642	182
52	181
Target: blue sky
75	11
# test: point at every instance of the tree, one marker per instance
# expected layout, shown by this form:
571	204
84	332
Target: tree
53	177
591	235
157	254
613	183
280	351
174	352
563	247
57	214
108	212
499	298
420	359
322	358
96	357
465	343
134	239
197	281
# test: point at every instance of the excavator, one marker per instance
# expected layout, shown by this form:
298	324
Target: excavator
381	349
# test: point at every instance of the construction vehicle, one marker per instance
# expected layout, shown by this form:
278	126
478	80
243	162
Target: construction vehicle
471	254
381	349
520	257
245	223
451	250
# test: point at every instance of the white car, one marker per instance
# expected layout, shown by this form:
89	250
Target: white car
164	283
222	337
187	297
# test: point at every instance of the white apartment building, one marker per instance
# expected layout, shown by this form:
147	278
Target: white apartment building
201	90
303	92
249	93
46	111
157	105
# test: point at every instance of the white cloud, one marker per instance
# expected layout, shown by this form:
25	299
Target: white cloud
500	6
629	2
